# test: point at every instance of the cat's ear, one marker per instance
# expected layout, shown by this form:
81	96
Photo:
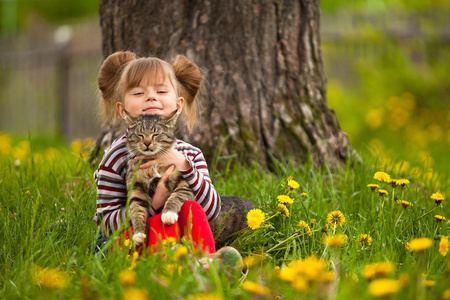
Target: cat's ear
129	119
171	119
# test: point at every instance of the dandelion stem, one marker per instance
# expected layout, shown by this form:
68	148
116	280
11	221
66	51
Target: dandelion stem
425	214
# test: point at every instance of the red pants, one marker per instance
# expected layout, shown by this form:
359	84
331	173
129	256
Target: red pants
192	224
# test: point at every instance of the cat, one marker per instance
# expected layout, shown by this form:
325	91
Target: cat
152	135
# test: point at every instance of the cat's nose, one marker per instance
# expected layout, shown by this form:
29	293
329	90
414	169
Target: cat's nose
147	143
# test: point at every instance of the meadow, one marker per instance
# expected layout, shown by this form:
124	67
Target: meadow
352	233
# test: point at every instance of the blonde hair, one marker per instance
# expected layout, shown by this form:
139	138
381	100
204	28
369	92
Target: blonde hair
122	71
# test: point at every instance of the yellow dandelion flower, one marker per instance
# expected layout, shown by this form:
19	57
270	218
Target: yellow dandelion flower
5	144
289	178
377	269
288	274
383	287
428	283
50	278
251	261
310	268
420	244
313	221
382	176
134	259
324	229
76	146
127	277
283	209
304	195
373	187
205	296
255	288
305	227
300	284
327	276
365	240
405	204
382	192
446	294
127	243
402	182
403	278
169	241
171	269
393	182
255	218
438	198
180	252
335	240
285	199
135	294
443	246
293	184
352	276
439	218
335	218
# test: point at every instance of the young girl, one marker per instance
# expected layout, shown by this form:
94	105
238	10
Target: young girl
152	86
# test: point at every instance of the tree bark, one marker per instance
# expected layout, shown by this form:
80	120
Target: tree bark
262	59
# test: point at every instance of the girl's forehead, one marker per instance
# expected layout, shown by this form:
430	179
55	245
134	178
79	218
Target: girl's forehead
156	78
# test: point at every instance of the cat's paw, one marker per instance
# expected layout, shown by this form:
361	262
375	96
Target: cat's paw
139	238
169	218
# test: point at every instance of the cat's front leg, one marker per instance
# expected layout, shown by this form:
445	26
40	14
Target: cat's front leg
169	218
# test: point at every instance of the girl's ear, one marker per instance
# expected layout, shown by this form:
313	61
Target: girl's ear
180	103
120	109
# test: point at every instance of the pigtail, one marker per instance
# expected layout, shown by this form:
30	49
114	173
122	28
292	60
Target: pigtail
190	78
108	78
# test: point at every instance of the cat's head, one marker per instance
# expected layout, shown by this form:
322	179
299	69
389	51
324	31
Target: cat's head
150	135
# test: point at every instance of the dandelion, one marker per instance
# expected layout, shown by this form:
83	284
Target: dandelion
255	288
383	287
171	269
382	176
289	178
293	184
382	192
428	283
127	243
285	199
50	278
335	218
443	246
402	182
304	195
313	221
251	261
310	268
135	294
335	240
254	218
283	209
438	198
365	240
377	269
305	228
324	229
134	259
420	244
446	294
300	284
393	182
127	277
439	218
373	187
403	278
204	296
180	252
5	144
169	241
405	204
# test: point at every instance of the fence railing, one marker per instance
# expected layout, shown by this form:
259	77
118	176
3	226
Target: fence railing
48	82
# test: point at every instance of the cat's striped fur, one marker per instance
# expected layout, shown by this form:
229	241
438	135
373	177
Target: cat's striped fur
152	135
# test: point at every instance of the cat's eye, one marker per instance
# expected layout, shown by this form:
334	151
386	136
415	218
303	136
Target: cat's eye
140	135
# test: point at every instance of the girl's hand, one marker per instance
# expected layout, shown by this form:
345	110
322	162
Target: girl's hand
171	157
161	192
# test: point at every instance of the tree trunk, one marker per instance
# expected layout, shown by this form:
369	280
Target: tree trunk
263	64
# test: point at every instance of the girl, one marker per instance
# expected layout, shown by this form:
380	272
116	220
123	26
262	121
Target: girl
152	86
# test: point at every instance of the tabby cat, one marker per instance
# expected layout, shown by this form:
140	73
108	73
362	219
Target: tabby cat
152	135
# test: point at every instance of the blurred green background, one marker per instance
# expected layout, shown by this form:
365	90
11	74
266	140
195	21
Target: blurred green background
386	61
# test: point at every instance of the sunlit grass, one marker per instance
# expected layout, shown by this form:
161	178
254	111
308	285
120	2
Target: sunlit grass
321	248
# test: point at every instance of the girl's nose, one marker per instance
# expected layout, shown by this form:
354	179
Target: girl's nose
151	96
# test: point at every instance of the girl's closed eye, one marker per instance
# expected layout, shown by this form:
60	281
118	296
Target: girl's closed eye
162	92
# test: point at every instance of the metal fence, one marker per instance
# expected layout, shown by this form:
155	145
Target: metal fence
48	77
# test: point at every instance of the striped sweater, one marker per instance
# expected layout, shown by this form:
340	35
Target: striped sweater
112	190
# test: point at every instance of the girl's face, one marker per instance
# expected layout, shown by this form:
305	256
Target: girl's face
151	98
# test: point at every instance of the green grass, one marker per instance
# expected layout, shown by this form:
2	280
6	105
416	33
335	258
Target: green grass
48	201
